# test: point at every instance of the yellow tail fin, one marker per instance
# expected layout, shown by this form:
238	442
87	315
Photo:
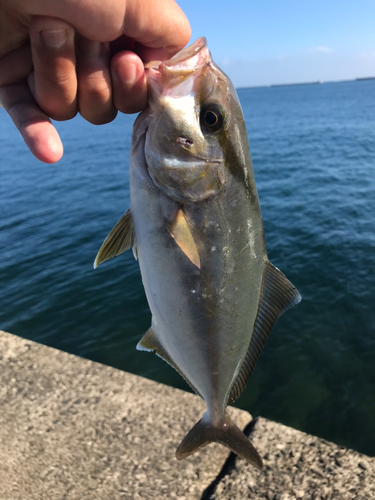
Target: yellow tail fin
228	434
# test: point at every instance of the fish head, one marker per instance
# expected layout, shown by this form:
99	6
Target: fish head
193	137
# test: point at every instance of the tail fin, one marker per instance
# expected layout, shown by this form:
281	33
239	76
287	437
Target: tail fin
227	434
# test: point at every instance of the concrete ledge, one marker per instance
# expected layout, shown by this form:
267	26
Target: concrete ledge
296	466
72	429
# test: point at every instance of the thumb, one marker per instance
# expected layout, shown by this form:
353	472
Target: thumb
160	24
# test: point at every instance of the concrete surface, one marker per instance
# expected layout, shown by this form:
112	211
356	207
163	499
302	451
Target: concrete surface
72	429
296	466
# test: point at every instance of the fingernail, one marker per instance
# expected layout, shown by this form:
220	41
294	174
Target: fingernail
54	39
127	73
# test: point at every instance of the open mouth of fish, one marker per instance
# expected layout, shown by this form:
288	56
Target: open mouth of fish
168	74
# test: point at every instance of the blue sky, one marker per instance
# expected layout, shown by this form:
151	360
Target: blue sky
287	41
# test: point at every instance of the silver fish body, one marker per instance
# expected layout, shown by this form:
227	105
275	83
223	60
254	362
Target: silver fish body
196	226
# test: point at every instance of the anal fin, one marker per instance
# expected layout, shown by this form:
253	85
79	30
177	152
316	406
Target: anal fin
120	239
149	342
278	295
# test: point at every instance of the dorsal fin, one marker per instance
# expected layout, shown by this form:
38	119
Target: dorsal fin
149	342
278	295
120	239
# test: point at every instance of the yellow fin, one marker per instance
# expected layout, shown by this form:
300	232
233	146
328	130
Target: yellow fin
149	342
120	239
227	433
181	233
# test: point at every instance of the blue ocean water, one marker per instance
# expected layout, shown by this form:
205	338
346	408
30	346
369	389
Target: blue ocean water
313	150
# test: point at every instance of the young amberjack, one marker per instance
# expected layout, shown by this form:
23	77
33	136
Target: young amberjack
196	227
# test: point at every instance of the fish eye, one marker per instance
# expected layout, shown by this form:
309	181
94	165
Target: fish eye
211	118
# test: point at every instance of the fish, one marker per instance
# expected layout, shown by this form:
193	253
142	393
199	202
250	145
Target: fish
196	228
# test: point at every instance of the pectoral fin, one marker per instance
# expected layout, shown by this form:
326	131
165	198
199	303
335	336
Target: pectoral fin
120	239
180	232
278	295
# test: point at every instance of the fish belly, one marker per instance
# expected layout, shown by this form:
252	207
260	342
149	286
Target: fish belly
203	317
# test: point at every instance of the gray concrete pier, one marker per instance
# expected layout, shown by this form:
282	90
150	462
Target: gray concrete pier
72	429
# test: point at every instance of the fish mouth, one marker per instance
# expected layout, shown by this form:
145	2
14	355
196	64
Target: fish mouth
187	169
201	160
168	74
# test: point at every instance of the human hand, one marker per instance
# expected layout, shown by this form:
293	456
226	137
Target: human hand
59	57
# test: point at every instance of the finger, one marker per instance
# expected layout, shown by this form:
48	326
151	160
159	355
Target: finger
145	53
94	82
121	43
53	53
16	65
153	24
129	82
35	127
160	25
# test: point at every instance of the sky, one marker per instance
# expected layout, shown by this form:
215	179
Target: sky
265	42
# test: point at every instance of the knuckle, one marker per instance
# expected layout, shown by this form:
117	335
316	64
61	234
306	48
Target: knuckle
130	102
61	113
129	107
94	89
100	119
57	99
60	79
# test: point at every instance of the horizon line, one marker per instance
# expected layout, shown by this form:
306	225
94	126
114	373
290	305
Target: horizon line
317	82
